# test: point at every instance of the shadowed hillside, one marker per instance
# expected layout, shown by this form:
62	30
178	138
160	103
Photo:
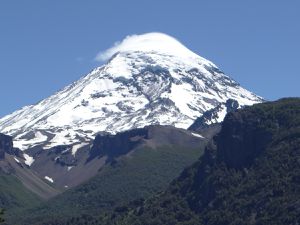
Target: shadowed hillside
248	175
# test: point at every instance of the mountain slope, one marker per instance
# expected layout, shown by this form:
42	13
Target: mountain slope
139	163
14	195
14	164
249	175
149	79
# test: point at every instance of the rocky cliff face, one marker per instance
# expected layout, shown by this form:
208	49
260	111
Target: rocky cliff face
212	116
122	143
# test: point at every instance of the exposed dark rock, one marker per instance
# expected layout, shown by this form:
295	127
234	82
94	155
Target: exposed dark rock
211	115
231	105
6	145
119	144
155	135
62	155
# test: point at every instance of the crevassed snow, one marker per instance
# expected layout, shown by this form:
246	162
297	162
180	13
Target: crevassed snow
28	159
152	79
49	179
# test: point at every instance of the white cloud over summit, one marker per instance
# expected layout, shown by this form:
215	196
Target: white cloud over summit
146	42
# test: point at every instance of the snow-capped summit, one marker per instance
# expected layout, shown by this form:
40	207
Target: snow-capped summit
150	43
148	79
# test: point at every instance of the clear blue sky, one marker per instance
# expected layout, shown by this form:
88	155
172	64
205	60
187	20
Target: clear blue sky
45	45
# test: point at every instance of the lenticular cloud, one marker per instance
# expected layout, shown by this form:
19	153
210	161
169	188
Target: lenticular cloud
145	42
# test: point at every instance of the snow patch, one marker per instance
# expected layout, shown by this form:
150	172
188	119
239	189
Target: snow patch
49	179
197	135
24	144
76	147
222	114
17	160
28	159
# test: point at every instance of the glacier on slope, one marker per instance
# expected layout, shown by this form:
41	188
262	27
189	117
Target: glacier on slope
148	79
